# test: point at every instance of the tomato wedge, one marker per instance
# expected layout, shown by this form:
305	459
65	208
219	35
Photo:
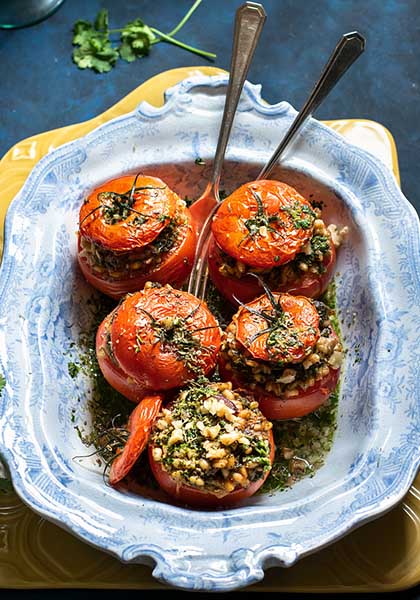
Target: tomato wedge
139	426
247	287
186	494
157	340
263	223
126	240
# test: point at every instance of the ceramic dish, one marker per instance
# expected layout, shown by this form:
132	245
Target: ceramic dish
375	454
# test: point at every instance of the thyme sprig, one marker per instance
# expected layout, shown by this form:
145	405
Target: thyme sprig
282	336
260	223
174	335
118	206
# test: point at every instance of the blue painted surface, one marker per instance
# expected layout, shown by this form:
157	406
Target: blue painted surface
42	88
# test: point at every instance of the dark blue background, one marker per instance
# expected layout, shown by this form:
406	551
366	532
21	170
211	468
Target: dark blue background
42	89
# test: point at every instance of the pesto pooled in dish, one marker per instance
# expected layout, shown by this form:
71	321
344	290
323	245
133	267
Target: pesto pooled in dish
267	228
133	230
214	439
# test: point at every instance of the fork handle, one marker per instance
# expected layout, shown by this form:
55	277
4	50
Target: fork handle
348	49
249	21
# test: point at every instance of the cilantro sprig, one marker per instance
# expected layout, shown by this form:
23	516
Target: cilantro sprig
98	51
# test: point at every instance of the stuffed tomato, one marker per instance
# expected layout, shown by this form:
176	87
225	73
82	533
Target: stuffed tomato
267	228
156	340
134	229
211	446
284	349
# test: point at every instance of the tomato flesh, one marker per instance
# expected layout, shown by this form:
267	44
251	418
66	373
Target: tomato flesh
141	363
263	223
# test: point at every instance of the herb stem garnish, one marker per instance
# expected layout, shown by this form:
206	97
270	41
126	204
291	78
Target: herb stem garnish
118	206
108	444
174	336
96	51
282	336
260	222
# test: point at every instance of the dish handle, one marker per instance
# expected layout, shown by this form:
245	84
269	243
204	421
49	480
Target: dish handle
201	93
188	568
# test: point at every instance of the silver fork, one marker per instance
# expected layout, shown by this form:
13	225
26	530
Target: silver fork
348	49
249	20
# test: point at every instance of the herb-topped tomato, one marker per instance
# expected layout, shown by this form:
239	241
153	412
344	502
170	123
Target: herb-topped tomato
157	340
133	230
283	349
267	227
212	446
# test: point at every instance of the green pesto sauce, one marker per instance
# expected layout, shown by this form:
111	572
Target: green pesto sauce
310	438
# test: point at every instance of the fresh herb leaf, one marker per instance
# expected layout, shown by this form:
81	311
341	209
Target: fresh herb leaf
2	383
73	369
82	32
96	50
101	21
136	38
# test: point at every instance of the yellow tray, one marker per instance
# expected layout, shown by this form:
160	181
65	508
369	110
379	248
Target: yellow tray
380	556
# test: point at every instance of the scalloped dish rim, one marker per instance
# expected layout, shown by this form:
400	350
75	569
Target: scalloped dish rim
250	563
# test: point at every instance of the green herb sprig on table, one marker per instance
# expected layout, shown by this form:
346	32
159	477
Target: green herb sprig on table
96	50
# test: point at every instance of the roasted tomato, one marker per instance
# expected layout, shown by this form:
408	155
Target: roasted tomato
267	227
133	230
211	447
157	340
283	349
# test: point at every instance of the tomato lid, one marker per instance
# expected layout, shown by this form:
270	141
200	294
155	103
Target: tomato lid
285	333
263	223
166	336
127	213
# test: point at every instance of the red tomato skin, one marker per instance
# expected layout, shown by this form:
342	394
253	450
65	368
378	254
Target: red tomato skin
175	269
185	494
247	288
139	426
114	375
275	408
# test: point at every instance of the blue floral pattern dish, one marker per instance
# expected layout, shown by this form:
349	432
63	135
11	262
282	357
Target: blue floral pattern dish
376	450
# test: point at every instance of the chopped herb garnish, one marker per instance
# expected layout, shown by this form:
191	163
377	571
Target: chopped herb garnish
174	336
73	369
302	215
260	223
